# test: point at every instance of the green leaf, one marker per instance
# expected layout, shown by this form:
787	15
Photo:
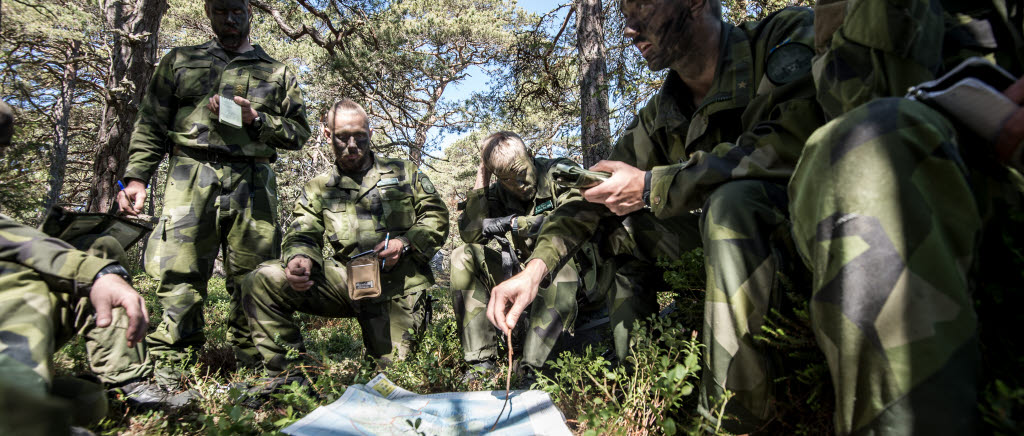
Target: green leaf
669	425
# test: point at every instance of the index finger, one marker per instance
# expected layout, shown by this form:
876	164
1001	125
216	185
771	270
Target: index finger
136	321
495	313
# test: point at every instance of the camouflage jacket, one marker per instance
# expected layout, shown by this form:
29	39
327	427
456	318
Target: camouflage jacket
173	112
862	57
393	197
752	124
494	201
64	268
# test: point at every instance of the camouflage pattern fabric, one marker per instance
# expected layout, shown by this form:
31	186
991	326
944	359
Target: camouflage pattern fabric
392	196
209	207
219	200
173	112
44	284
721	162
475	269
890	203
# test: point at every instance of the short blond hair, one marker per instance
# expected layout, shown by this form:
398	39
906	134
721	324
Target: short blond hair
500	150
347	105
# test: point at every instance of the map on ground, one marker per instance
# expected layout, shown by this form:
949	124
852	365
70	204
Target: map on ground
382	408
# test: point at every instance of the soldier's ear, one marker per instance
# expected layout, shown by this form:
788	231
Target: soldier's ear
326	132
369	135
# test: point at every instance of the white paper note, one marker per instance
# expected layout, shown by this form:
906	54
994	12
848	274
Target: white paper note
230	112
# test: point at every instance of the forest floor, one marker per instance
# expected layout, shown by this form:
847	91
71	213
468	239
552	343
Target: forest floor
654	393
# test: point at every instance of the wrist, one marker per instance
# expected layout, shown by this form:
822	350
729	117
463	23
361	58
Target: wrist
406	244
536	270
115	269
647	189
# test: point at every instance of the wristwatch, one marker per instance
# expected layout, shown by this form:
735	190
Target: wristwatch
257	123
113	269
405	243
647	190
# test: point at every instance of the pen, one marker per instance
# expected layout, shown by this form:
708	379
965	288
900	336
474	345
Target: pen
120	185
387	238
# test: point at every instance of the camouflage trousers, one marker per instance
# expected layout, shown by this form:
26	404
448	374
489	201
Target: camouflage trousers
885	217
475	270
269	302
231	207
34	323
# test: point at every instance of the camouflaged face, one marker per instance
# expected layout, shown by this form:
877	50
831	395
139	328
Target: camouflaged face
173	111
520	178
230	20
664	30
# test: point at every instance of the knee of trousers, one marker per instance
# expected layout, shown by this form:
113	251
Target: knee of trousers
467	262
266	283
749	208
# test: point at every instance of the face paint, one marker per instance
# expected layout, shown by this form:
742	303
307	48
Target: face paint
520	179
660	29
350	139
230	21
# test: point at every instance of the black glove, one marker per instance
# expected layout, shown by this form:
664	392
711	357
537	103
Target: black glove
509	260
497	226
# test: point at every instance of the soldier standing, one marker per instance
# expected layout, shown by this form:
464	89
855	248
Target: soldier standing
705	163
524	195
370	208
221	191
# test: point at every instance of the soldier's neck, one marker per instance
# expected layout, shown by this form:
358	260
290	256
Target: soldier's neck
357	173
245	47
697	67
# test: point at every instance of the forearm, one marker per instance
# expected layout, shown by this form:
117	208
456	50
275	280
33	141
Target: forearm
61	265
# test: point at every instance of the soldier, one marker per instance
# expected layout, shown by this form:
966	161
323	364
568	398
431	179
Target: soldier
366	205
906	220
221	192
524	195
49	292
705	163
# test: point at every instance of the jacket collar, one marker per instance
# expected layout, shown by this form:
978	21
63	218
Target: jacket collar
370	179
214	49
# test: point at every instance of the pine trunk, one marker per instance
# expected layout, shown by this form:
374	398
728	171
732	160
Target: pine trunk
134	25
593	81
61	137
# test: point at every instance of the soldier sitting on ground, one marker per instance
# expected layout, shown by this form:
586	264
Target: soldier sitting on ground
524	195
378	213
49	292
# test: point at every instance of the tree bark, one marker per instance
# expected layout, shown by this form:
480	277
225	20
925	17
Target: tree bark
62	120
134	25
593	81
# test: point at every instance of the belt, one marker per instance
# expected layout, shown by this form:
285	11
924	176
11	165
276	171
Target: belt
215	157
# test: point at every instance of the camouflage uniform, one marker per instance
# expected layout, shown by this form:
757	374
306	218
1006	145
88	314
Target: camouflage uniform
477	268
221	192
729	156
44	286
392	196
891	205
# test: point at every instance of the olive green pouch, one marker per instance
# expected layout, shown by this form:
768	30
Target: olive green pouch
364	277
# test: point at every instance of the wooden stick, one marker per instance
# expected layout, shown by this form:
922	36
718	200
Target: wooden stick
508	382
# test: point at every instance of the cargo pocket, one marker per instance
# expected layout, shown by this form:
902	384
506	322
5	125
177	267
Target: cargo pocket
336	223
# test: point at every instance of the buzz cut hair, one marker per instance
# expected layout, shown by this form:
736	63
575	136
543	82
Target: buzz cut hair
344	104
500	150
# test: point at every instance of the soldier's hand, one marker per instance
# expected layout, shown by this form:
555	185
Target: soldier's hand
298	272
132	199
1011	137
214	105
623	192
392	253
110	291
510	297
497	226
483	177
248	113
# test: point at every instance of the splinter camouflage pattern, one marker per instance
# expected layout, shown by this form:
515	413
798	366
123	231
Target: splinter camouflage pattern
731	155
890	206
476	269
355	216
44	285
214	198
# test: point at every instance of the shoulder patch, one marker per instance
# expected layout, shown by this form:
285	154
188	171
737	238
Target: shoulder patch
545	206
425	183
788	61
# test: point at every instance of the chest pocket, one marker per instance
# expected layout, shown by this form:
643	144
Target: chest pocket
193	78
397	207
336	219
262	90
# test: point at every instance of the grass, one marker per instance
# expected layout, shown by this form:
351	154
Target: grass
654	393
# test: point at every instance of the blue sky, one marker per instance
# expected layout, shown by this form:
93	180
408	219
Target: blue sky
478	78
